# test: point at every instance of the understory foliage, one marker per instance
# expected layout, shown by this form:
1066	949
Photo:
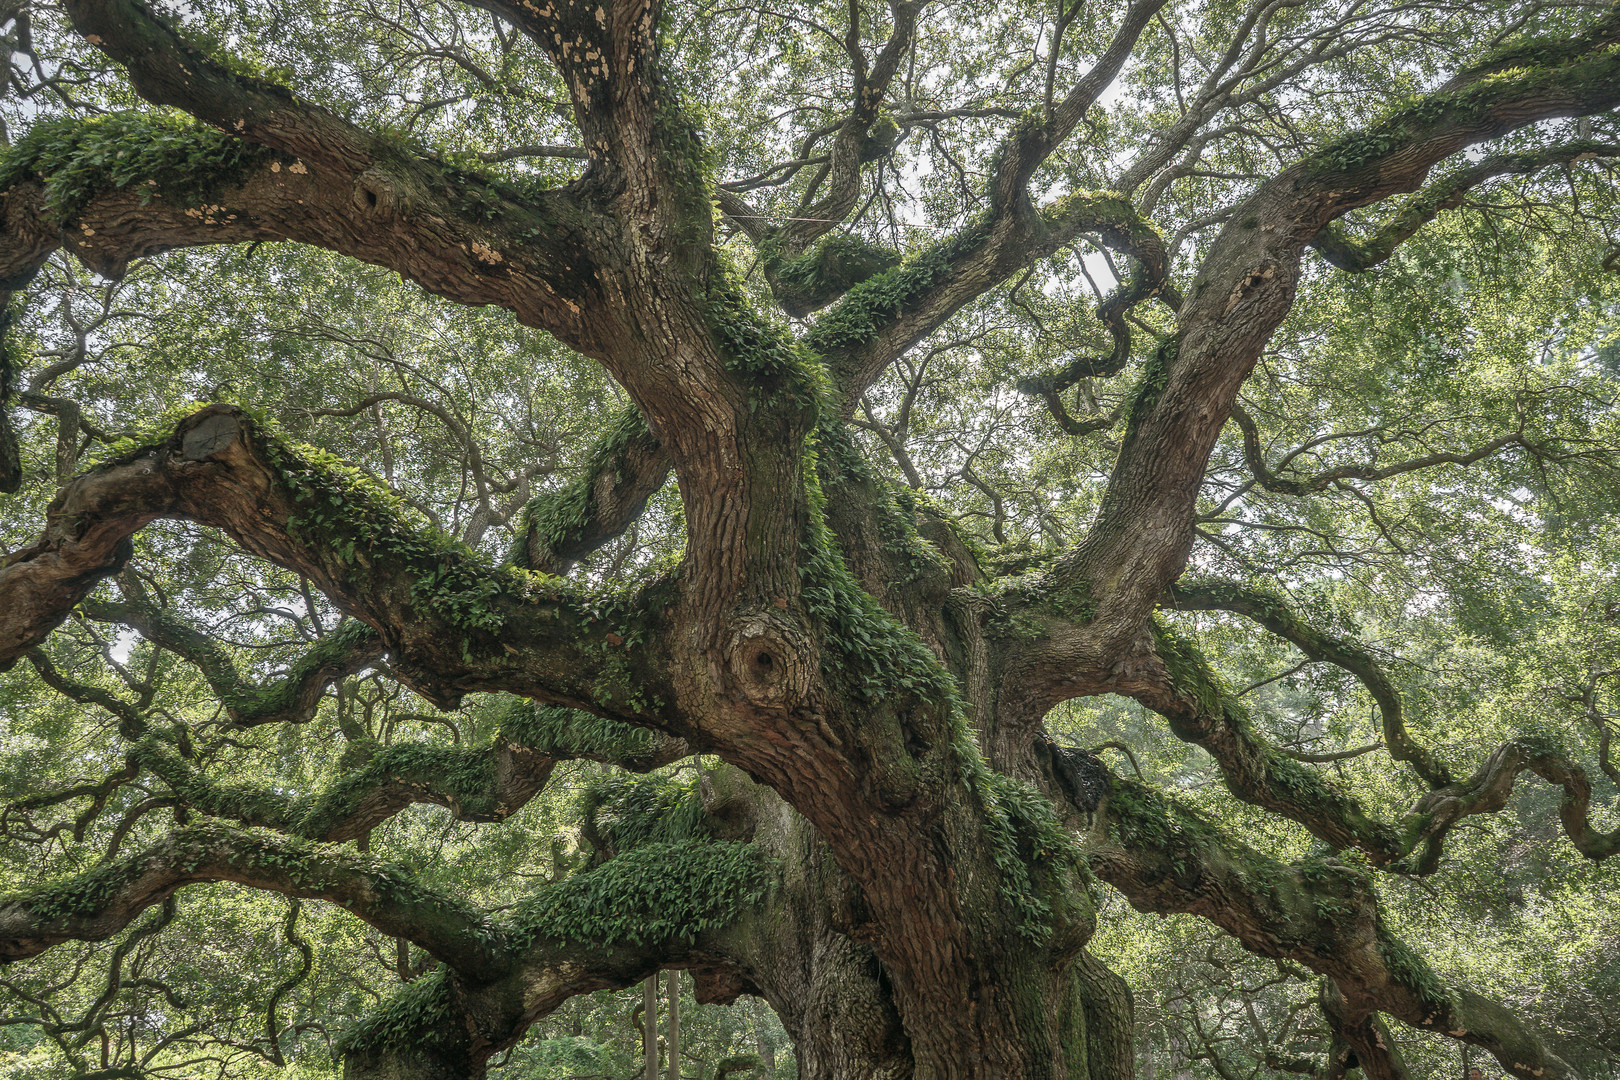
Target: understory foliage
1422	468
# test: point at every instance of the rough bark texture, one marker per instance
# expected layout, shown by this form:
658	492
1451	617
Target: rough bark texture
879	704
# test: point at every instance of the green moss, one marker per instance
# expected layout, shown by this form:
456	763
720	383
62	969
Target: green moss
80	896
864	648
1023	831
351	517
1191	673
840	465
877	301
826	271
418	1014
251	704
658	892
625	812
1155	377
777	369
572	733
549	522
179	159
1409	969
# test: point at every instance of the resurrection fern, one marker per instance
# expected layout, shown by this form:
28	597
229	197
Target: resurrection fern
181	160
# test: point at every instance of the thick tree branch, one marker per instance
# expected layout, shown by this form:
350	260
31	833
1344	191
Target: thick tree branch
321	180
624	469
97	904
1275	615
292	699
484	783
881	318
1451	191
1323	914
1183	689
450	623
1144	528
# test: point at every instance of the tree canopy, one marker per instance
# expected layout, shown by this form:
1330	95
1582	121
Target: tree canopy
1039	539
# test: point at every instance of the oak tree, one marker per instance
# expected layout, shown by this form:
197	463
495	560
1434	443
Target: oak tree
774	231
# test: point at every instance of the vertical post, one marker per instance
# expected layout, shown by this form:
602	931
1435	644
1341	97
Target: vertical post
649	1027
674	1025
767	1053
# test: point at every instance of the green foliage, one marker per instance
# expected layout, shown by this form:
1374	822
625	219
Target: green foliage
345	513
626	812
657	892
874	302
82	895
777	369
418	1013
179	159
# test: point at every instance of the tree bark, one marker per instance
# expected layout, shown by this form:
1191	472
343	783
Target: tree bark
649	1028
674	1025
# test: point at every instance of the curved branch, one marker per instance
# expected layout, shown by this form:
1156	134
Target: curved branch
1144	528
1273	614
1447	193
1177	683
624	469
292	699
882	317
1487	792
284	169
450	623
1322	913
1254	457
485	783
97	904
854	142
1452	800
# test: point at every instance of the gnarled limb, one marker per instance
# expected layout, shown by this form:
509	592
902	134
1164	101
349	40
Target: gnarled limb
483	783
284	169
1254	457
1183	689
450	623
625	469
1487	791
291	699
884	316
1275	615
97	904
1451	191
1452	800
1323	914
1144	529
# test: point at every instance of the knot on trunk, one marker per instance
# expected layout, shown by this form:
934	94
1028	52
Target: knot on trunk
767	660
378	193
209	432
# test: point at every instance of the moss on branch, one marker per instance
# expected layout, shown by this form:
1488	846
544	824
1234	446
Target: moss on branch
873	305
557	527
161	155
817	277
654	893
476	783
1202	710
95	904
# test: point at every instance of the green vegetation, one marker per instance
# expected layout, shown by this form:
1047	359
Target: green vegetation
674	531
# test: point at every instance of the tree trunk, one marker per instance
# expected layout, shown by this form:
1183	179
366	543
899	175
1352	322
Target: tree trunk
649	1028
674	1025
